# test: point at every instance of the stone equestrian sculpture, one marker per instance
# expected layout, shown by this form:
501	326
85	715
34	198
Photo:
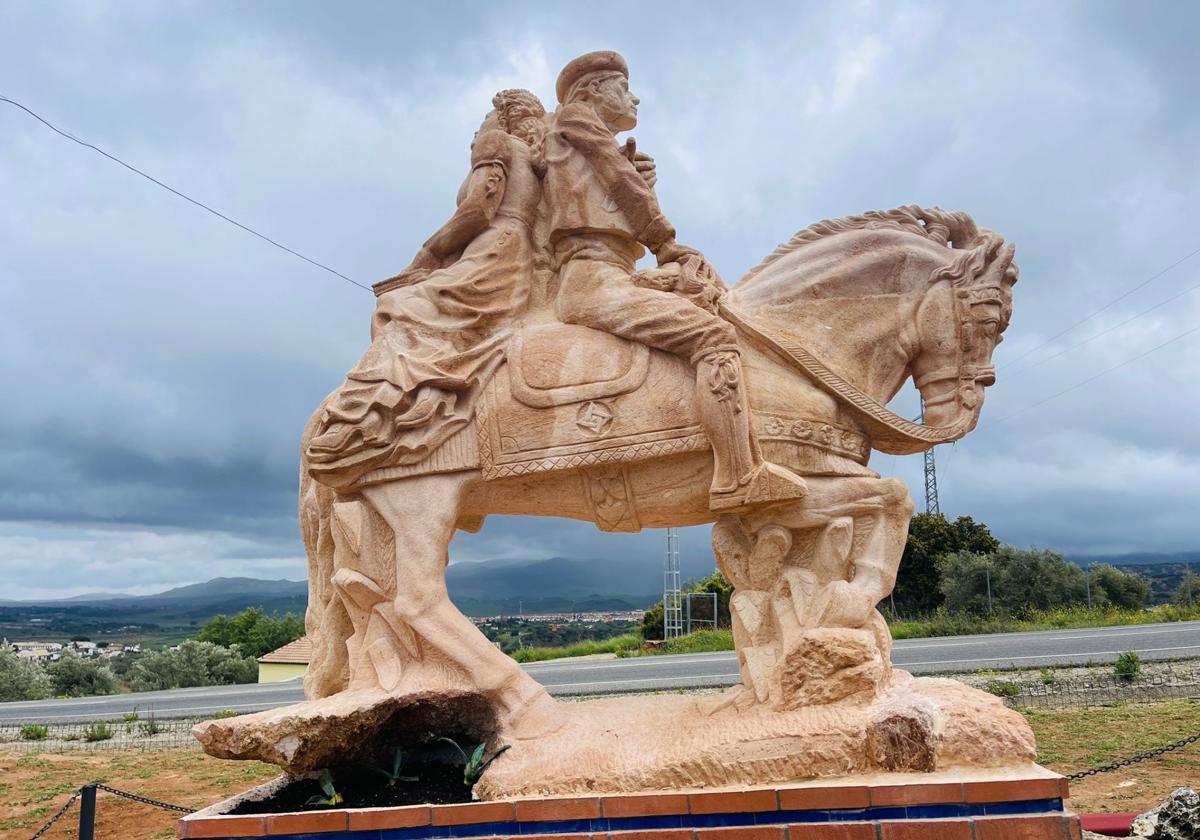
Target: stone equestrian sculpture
524	365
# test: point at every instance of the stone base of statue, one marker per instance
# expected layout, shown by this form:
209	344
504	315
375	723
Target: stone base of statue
650	742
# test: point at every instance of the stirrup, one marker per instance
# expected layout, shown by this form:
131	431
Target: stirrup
768	484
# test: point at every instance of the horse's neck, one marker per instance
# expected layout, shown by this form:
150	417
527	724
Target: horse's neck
862	340
851	307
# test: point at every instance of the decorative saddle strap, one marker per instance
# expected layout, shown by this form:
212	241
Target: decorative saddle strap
888	431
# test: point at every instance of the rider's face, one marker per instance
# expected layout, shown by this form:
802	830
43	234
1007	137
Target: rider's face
615	104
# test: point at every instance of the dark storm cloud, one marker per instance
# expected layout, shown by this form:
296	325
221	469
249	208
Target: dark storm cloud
158	365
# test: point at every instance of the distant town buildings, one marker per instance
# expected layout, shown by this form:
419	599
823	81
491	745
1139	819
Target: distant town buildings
53	651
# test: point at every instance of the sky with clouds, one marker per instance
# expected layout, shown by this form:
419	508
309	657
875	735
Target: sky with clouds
157	365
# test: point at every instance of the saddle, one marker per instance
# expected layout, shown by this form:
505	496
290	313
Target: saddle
571	397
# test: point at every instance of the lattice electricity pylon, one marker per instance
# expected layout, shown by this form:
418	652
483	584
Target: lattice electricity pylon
931	493
672	594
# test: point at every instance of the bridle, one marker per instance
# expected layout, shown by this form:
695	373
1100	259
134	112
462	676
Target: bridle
888	431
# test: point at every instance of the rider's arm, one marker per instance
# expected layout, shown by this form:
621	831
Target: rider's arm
579	126
484	191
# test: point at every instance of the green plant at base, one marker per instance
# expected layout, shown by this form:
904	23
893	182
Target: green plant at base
394	776
1048	677
1127	667
331	797
150	727
34	732
224	713
130	717
97	732
1003	688
474	765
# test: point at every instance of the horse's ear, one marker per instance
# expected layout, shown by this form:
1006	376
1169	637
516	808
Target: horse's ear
1011	272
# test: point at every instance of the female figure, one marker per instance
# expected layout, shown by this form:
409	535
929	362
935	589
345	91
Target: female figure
440	326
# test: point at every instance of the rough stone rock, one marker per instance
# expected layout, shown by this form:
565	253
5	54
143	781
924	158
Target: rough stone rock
981	730
347	728
904	733
829	664
660	742
1177	818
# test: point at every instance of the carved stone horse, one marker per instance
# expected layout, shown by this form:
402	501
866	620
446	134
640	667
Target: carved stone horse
583	425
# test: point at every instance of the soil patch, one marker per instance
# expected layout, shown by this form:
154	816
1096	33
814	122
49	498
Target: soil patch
436	784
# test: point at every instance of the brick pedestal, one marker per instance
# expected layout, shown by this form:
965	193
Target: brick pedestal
975	805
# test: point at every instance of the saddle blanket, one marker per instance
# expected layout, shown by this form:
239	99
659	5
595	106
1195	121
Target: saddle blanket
571	397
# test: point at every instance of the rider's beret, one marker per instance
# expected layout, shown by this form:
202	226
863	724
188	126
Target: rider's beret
602	61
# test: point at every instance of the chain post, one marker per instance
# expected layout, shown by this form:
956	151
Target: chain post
87	812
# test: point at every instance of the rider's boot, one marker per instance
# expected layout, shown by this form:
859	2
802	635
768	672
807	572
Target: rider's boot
741	478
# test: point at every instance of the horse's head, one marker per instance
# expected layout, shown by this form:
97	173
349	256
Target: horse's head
959	322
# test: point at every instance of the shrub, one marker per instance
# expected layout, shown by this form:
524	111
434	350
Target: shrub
224	713
34	732
1127	667
74	676
194	664
1003	688
1187	594
149	727
1048	677
97	732
21	679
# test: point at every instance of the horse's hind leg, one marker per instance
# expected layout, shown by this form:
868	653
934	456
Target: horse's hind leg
422	513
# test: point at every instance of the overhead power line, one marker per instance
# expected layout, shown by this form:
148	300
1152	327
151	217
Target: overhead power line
1104	332
1093	378
1103	308
176	192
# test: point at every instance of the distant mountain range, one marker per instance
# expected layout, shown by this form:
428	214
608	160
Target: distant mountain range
1139	558
494	587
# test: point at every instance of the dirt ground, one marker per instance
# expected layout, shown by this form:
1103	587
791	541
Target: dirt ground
34	785
1079	739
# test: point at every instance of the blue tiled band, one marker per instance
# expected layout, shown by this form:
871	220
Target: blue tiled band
533	829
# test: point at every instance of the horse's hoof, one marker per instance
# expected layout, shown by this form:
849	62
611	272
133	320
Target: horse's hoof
540	718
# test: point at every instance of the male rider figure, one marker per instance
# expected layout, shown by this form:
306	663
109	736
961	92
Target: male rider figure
602	212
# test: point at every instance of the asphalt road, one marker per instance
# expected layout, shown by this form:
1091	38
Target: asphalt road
953	654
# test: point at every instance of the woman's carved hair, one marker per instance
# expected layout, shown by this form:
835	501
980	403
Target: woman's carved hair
514	108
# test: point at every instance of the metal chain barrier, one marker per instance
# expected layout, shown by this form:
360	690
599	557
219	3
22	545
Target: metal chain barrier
166	805
58	816
125	794
1125	762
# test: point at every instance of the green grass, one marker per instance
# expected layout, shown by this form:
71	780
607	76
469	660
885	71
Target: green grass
950	624
701	641
619	645
940	624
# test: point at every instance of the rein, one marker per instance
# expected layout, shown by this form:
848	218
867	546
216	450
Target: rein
888	431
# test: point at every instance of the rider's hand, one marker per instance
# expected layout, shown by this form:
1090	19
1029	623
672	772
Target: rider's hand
672	251
646	167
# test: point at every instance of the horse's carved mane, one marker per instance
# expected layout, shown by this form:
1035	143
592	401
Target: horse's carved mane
955	229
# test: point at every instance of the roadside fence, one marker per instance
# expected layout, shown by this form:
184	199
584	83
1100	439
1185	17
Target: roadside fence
1095	690
144	734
